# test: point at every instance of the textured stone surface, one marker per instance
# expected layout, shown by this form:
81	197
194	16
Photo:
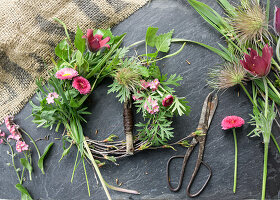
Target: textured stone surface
146	171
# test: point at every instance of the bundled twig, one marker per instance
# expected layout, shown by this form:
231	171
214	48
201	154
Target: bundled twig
128	125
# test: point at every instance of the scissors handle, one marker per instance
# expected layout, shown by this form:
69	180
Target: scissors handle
186	157
193	177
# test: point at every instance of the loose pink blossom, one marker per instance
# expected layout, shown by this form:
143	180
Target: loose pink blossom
51	97
144	84
151	105
2	134
167	101
95	42
81	84
21	146
66	73
232	122
13	128
14	137
154	84
1	141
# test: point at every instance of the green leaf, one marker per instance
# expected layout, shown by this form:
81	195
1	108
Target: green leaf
62	50
111	158
48	115
24	193
65	152
271	93
151	36
26	164
228	7
215	50
80	43
154	72
163	41
41	159
143	71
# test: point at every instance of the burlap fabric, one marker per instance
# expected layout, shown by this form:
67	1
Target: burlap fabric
29	35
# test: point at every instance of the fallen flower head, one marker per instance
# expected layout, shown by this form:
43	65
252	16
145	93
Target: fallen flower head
232	122
95	42
257	65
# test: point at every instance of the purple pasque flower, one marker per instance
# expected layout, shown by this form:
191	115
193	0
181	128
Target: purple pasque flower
276	21
257	65
95	42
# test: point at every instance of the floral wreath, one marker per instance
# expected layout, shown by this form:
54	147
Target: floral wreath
137	80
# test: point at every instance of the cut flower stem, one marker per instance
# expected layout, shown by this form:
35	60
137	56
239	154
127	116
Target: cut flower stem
235	161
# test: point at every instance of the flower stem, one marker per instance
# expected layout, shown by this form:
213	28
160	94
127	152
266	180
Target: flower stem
273	87
235	161
97	170
135	43
267	10
264	170
266	96
275	142
34	143
277	49
13	160
247	93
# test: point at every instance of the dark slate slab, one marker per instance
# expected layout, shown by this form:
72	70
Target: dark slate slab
146	171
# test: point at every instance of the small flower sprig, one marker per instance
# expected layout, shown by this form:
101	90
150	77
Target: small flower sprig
21	147
232	122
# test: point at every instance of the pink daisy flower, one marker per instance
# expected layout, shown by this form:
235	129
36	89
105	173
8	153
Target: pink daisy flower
167	101
81	84
21	146
66	73
154	84
51	97
232	122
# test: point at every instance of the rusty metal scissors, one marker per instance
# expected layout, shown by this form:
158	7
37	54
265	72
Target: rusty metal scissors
199	137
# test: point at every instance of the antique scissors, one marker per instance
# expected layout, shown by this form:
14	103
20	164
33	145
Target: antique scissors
199	137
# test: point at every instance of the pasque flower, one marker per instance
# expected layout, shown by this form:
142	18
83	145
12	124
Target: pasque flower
81	84
277	20
66	73
167	101
258	65
232	122
95	42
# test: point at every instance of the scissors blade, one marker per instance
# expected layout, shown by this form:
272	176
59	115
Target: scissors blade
214	104
208	110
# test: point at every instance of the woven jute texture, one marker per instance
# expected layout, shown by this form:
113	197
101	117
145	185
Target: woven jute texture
29	35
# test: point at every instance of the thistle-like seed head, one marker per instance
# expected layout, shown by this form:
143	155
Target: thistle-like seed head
226	76
128	77
250	23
